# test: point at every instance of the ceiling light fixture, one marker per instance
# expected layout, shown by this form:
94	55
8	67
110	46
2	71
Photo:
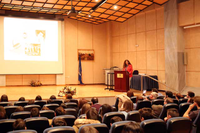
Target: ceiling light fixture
115	7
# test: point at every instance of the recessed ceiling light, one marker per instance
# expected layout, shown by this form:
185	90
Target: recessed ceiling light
89	16
96	0
115	7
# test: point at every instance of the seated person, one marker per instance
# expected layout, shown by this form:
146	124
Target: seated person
81	102
21	99
178	96
168	94
35	112
63	105
85	108
31	102
172	112
95	103
59	122
45	108
127	106
88	129
4	98
152	96
130	93
60	111
2	113
115	119
68	96
156	90
121	99
19	108
91	118
52	97
193	114
146	113
19	124
190	96
38	97
105	108
132	127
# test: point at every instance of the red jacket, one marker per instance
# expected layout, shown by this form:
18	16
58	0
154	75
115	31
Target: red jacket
130	70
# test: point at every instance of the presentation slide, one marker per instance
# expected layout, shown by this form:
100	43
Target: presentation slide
31	46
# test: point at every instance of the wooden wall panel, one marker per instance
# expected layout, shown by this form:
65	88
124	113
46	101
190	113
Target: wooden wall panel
28	78
124	28
150	20
160	18
131	25
14	80
151	40
48	79
140	22
197	11
123	43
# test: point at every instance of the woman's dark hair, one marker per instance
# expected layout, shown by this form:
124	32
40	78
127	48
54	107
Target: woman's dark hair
191	94
92	114
81	102
85	108
105	108
21	99
132	127
128	106
31	102
19	108
19	124
38	97
125	63
4	98
88	129
52	97
59	122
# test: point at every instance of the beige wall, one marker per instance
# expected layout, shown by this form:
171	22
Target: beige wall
147	31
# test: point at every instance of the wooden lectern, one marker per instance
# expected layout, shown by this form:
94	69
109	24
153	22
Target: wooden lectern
121	81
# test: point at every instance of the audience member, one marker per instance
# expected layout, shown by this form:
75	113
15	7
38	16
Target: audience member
45	108
178	96
63	105
38	97
2	113
59	122
193	114
121	99
88	129
85	108
127	106
19	108
146	113
31	102
169	94
156	90
190	96
19	124
49	101
132	127
60	111
152	96
81	102
68	96
52	97
115	119
66	100
168	100
95	103
21	99
130	93
156	110
105	108
4	98
172	112
35	112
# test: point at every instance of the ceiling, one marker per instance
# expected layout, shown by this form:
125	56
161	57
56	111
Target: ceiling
111	10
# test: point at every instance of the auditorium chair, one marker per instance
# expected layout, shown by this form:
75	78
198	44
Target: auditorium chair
52	106
10	110
142	104
118	126
196	124
57	101
5	104
109	115
40	102
47	113
37	123
158	102
60	129
83	116
134	99
179	125
116	103
21	103
20	115
101	128
163	113
182	100
74	101
71	105
134	116
175	100
6	125
71	111
69	119
153	126
23	131
160	97
183	107
29	107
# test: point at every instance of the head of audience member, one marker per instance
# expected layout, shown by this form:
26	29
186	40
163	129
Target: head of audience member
155	90
19	124
21	99
45	108
105	108
31	102
197	101
85	108
52	97
81	102
66	100
127	106
49	101
153	95
172	112
191	100
179	96
19	109
4	98
59	122
63	105
190	94
35	112
94	100
146	113
169	94
38	97
130	93
132	127
60	111
68	96
88	129
2	113
168	100
92	114
115	119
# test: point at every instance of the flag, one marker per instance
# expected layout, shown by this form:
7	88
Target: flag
80	71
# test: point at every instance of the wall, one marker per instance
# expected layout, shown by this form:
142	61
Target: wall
146	30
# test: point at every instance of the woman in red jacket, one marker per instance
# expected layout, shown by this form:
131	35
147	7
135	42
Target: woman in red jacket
128	67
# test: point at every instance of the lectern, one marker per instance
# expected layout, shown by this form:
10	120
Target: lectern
121	81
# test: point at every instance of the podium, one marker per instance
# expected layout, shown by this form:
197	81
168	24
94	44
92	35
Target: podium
121	81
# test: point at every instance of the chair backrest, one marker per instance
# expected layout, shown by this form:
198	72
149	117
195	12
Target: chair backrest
52	106
71	105
10	110
23	131
102	128
21	103
61	129
40	102
20	115
29	107
133	99
142	104
160	97
153	126
163	113
57	101
6	125
69	119
182	100
37	123
175	100
196	124
109	115
118	126
71	111
134	116
74	101
179	125
158	102
47	113
183	107
5	103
